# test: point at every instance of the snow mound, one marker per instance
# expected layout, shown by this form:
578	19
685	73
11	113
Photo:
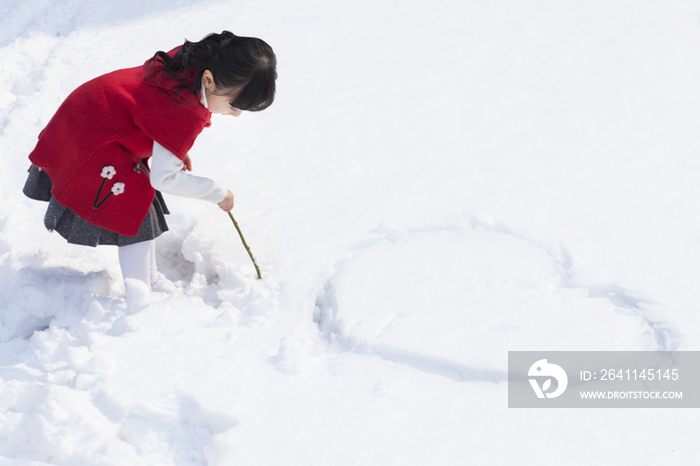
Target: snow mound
34	295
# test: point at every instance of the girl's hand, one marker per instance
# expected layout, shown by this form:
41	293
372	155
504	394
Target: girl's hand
227	204
187	163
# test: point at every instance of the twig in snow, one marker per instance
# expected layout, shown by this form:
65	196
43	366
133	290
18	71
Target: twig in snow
235	224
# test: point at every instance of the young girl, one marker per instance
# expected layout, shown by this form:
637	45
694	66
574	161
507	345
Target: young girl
90	160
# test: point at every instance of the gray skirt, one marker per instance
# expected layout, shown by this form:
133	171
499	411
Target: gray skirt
78	231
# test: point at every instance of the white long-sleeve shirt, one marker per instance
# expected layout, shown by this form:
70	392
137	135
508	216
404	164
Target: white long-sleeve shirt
167	175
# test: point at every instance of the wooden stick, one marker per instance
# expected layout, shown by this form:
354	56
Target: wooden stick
235	224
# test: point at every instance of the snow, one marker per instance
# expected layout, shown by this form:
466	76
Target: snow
436	184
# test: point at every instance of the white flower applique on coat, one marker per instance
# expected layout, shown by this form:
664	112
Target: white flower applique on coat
107	173
117	189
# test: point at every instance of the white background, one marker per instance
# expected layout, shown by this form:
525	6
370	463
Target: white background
437	183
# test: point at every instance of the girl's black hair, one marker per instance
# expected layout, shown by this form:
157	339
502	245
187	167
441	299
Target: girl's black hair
233	61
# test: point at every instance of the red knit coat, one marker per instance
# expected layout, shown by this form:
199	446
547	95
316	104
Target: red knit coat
112	121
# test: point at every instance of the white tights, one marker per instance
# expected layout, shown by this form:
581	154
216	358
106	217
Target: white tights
139	261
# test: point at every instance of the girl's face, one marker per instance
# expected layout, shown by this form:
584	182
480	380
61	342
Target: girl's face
218	102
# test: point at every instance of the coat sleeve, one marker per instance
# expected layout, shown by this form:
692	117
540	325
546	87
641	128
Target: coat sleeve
174	129
172	125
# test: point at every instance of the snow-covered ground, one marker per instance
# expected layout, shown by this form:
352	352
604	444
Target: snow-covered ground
437	183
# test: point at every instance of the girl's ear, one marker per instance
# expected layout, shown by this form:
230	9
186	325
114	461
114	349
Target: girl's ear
208	80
